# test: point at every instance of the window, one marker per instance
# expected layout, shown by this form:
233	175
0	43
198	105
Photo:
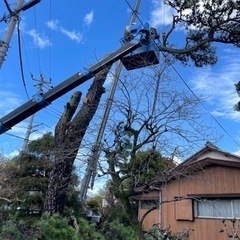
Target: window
218	208
149	204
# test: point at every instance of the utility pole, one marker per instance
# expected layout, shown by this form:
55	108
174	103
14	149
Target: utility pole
28	133
30	124
91	169
14	18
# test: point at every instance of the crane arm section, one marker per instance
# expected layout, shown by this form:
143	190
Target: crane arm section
138	51
39	101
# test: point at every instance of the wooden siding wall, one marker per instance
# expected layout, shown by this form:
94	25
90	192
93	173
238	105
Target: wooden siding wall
153	217
212	180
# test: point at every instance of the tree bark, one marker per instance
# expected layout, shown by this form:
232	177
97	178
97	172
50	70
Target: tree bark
68	137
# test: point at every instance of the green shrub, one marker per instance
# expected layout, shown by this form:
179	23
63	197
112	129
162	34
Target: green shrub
56	227
117	230
18	230
10	231
88	231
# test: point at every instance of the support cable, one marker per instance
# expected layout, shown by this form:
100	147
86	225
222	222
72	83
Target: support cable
37	40
203	105
20	59
50	47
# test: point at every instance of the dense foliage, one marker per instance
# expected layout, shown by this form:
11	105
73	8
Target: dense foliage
48	228
204	23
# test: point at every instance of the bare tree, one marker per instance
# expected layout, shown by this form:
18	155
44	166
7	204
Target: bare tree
150	112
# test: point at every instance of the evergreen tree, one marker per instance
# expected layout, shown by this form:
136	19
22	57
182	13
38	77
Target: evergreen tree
33	171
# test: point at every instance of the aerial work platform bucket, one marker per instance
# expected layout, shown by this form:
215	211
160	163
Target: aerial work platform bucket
142	57
145	55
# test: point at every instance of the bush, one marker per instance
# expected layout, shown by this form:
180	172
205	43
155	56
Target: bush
87	231
10	231
117	230
48	228
56	227
117	224
18	230
159	233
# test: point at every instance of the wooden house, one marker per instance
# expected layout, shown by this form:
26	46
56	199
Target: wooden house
200	195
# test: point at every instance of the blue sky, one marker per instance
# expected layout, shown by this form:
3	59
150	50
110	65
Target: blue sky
60	38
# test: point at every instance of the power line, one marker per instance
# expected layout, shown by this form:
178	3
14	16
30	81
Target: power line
218	123
13	135
37	39
26	55
50	37
20	59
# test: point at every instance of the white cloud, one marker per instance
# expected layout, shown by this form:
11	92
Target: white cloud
218	86
161	14
12	140
13	154
236	153
39	41
71	34
88	19
9	101
53	24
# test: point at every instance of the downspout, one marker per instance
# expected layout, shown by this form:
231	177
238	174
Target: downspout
160	208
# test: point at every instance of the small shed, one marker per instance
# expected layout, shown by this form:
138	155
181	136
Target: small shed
202	195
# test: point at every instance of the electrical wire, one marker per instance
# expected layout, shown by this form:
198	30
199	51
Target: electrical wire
26	55
50	111
189	88
50	47
13	135
20	59
38	53
164	13
205	108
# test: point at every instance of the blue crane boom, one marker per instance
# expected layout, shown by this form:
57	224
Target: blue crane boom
126	54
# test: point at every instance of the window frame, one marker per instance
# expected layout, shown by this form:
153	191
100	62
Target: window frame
151	203
230	202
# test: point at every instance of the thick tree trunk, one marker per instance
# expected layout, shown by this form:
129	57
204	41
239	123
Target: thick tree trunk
68	137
